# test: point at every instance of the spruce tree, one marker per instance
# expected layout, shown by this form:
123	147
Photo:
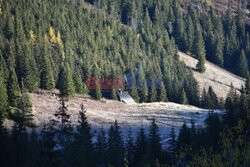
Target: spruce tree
79	86
115	146
134	93
141	145
101	148
190	34
184	138
64	132
199	49
183	98
49	155
152	95
172	142
47	78
65	82
180	33
3	96
4	143
83	147
24	111
162	94
154	141
13	88
130	147
113	94
243	65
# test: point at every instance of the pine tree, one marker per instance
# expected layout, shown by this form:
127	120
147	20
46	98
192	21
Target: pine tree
24	110
154	141
49	155
143	88
83	147
4	143
115	146
190	34
243	65
64	133
219	60
134	93
130	147
65	82
96	93
199	50
172	142
3	96
113	94
141	145
162	94
180	33
101	148
183	97
13	88
47	78
26	68
184	138
79	86
152	95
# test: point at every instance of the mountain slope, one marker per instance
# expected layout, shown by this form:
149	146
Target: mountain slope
218	78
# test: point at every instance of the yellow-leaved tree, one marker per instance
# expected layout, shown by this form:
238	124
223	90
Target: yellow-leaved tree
52	36
60	43
32	39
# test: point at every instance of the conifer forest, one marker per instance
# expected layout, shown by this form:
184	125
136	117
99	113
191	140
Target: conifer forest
56	45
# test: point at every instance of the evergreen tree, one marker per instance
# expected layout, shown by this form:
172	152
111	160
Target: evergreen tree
3	96
190	34
180	33
199	50
162	94
130	147
47	78
113	94
184	138
82	147
65	82
101	148
141	145
96	93
23	112
154	141
49	155
64	131
134	93
243	65
183	97
152	95
219	53
115	146
172	142
4	144
13	88
212	100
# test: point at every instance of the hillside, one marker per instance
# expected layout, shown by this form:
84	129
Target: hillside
104	113
218	78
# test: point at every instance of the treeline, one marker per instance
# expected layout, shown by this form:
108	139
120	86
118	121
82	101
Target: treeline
224	141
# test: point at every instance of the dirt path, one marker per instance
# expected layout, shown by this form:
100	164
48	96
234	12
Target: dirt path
218	78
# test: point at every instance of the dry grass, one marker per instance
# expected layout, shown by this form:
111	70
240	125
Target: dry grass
102	113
